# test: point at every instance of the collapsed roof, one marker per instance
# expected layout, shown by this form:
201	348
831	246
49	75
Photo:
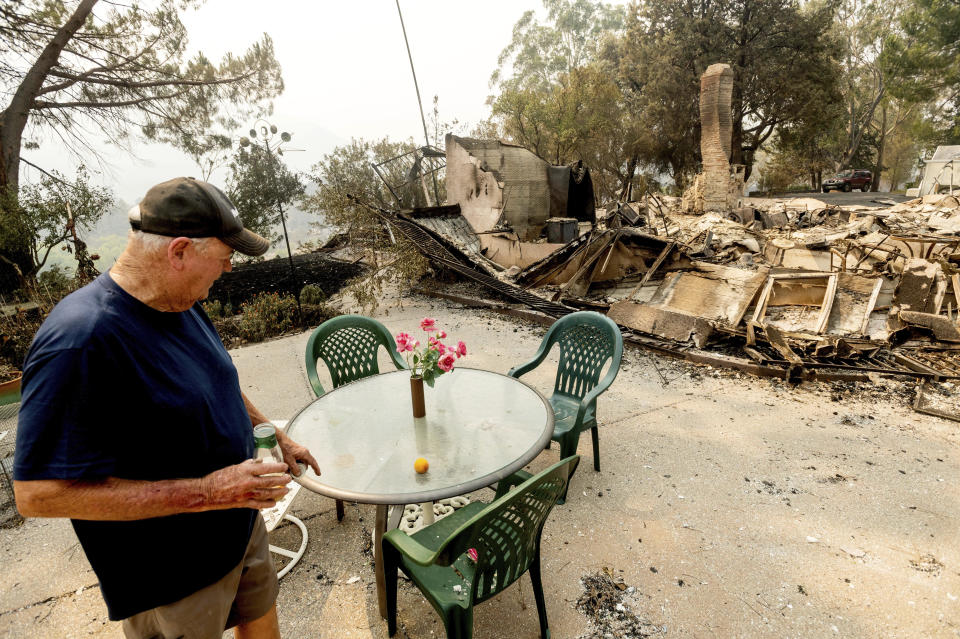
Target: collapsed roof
793	288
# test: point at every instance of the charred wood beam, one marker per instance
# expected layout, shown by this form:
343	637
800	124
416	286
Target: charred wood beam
663	347
653	268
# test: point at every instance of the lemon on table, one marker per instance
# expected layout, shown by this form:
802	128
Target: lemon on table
421	465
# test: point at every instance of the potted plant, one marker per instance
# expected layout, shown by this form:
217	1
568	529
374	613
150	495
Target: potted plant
10	389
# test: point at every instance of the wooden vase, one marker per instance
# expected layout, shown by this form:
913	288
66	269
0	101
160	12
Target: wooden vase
416	397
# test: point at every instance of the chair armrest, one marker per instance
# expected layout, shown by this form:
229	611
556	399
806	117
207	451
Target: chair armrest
506	484
409	547
314	379
522	369
397	359
310	359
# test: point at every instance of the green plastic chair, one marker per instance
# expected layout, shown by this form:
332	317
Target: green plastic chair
587	340
348	345
506	536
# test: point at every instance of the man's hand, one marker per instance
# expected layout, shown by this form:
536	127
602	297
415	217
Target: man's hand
294	452
245	486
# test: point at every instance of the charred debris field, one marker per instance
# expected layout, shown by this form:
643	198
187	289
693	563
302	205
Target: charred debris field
275	276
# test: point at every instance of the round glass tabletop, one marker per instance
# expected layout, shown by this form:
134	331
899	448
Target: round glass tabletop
480	427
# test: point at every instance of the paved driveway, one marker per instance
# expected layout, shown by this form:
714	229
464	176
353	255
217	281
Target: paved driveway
729	506
854	198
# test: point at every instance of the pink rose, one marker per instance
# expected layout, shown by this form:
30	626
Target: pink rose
441	334
436	345
446	362
404	342
472	553
461	349
428	324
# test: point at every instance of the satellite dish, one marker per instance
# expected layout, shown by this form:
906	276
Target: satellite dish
284	136
253	133
244	141
273	128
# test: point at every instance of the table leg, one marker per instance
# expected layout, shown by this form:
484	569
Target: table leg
379	529
427	507
396	514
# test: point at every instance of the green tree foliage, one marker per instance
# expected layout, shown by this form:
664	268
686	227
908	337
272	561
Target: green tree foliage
903	146
348	194
209	152
580	116
878	96
71	74
863	27
558	100
782	56
926	54
879	100
262	186
53	213
346	183
802	154
541	53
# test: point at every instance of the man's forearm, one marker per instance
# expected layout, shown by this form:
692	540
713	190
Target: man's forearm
256	417
250	484
109	499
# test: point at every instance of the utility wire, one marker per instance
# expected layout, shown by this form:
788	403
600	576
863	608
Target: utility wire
426	136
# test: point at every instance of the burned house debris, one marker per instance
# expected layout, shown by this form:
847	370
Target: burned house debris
792	288
831	293
513	200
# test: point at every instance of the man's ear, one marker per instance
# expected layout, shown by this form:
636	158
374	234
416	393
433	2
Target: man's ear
176	250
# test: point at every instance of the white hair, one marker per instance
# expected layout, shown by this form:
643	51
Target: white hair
152	243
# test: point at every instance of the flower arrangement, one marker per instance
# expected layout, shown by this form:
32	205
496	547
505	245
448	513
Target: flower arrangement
431	360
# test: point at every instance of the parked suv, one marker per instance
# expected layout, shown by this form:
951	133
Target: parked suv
848	180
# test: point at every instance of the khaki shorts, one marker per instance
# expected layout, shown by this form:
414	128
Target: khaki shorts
245	594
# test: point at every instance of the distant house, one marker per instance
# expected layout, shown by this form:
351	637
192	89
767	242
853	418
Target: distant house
941	173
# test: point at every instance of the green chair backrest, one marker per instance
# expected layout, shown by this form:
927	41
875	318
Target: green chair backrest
506	534
348	345
587	340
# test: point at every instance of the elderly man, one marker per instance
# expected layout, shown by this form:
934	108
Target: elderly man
133	425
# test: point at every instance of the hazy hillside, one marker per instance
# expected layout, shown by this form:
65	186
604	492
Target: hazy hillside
110	236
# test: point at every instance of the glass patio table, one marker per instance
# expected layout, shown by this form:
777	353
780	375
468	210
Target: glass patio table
480	427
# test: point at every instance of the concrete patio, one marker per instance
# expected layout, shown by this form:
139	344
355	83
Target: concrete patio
732	506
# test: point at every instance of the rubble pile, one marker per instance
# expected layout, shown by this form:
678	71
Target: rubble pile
610	606
801	284
791	288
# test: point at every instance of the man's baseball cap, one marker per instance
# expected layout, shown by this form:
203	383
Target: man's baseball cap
192	208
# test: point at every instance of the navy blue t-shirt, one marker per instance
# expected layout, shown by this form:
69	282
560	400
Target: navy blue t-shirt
114	388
